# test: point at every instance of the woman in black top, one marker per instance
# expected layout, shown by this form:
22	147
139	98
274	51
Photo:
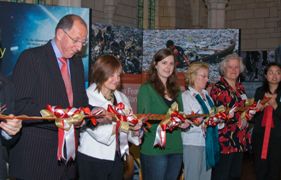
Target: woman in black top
267	129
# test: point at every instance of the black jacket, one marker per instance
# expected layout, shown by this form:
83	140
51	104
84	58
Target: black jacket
258	129
7	100
7	97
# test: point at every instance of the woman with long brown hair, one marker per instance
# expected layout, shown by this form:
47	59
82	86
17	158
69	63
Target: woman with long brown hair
156	96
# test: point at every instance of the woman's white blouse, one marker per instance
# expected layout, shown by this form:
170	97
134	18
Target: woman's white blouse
195	135
99	142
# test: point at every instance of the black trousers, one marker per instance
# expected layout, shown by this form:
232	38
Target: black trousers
90	168
66	174
229	167
3	162
270	168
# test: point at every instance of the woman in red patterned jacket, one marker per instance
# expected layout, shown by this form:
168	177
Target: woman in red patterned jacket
234	136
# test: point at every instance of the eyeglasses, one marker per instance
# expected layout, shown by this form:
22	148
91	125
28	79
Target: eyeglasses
75	41
203	76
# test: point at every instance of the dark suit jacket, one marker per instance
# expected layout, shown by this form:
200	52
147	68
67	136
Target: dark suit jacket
7	94
38	82
7	99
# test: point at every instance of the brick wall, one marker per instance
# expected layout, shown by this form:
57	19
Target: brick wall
117	12
259	21
173	14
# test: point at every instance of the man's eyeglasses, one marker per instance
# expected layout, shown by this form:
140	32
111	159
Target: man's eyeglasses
75	41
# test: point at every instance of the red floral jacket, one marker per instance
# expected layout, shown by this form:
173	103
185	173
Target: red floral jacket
231	138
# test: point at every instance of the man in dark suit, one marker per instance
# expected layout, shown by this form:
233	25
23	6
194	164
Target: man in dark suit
39	81
10	127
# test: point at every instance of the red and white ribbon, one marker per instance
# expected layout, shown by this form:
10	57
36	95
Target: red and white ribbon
67	141
123	116
175	119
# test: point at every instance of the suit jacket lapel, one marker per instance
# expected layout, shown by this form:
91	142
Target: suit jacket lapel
55	73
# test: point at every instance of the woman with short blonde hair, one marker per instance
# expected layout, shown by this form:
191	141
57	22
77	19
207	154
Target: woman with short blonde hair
192	70
196	140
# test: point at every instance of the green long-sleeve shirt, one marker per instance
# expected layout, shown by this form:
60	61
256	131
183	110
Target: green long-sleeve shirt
150	102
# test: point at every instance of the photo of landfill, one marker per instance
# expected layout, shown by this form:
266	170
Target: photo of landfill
123	42
190	45
135	47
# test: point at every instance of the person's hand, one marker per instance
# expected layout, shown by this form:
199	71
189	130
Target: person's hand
185	125
137	129
259	107
11	126
252	112
98	111
79	124
231	113
272	102
221	125
103	116
197	121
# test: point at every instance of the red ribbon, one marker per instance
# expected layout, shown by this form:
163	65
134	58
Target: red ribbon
59	113
176	119
216	118
87	111
118	111
267	122
111	109
160	137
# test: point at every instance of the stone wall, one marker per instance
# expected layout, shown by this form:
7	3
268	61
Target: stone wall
117	12
259	21
172	14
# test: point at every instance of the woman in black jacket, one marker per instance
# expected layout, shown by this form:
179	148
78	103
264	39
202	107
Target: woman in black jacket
267	129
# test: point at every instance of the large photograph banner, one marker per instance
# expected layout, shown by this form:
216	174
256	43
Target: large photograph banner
189	45
24	26
135	48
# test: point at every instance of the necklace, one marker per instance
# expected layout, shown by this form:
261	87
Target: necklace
110	98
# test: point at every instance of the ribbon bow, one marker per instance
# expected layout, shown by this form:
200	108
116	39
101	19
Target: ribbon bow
172	120
65	119
124	119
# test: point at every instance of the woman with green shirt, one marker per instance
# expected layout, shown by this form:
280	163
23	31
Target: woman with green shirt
155	97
